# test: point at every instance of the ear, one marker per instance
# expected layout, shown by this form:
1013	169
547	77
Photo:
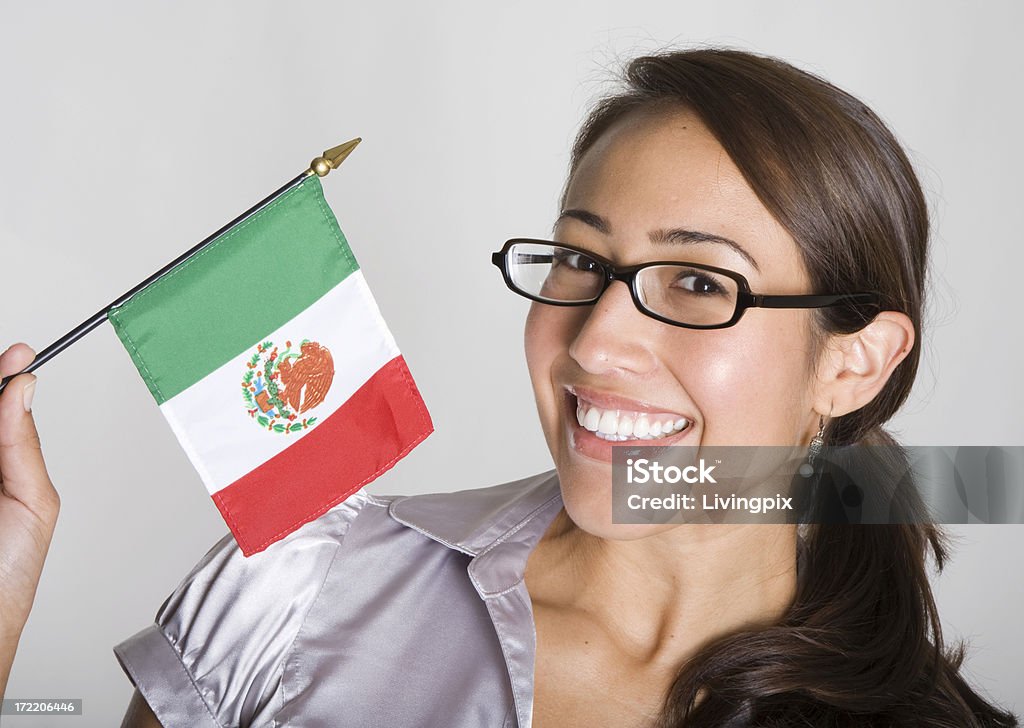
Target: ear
855	367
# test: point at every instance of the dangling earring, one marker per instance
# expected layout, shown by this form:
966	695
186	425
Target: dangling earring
817	442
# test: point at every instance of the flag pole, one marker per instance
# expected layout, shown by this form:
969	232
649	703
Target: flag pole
320	166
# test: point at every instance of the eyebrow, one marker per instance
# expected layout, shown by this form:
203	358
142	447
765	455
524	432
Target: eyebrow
674	235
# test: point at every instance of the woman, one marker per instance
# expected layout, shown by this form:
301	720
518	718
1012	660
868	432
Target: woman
525	603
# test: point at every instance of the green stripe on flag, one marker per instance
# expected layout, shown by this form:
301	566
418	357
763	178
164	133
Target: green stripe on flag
248	282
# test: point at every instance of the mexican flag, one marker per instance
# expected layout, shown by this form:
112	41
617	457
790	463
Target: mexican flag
270	360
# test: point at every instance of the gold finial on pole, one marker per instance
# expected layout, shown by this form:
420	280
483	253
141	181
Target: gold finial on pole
332	158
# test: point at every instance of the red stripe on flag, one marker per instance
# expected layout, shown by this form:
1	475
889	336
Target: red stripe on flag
376	427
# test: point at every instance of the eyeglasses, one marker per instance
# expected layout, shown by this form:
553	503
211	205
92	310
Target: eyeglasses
691	295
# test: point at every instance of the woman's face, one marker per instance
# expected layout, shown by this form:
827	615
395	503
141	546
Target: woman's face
750	384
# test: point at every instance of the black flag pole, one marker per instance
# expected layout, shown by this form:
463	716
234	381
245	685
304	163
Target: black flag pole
320	166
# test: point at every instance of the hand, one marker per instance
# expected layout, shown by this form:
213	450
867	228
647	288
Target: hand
28	505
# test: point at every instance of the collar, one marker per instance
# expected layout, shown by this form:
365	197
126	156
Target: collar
498	526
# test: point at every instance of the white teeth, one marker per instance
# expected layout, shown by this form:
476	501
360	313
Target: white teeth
609	423
617	425
613	438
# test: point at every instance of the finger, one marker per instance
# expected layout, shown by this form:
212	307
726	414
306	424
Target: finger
21	460
15	359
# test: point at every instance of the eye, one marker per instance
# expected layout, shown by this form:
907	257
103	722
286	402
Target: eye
700	283
576	261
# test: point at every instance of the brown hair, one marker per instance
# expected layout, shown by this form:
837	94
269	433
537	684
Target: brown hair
861	644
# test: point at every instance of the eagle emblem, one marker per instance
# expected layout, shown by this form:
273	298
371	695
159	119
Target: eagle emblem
280	386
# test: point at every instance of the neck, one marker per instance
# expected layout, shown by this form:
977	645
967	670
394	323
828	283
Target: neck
664	596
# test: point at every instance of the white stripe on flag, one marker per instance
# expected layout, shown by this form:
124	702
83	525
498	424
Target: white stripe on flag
211	419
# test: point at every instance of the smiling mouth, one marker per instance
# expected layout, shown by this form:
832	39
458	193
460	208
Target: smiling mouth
619	425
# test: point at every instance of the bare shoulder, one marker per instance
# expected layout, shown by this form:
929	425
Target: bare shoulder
139	715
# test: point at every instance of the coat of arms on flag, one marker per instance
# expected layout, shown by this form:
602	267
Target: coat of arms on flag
277	392
288	393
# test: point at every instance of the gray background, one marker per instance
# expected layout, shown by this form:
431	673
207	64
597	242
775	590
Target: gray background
132	130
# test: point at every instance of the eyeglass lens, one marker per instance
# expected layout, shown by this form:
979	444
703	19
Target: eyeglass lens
683	293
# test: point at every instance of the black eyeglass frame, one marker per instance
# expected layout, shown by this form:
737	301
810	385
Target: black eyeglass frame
745	298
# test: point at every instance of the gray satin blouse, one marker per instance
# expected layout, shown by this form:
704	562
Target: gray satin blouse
385	611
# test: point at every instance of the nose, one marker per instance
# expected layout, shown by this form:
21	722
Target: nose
615	337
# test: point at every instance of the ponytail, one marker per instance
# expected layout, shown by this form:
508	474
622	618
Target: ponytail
861	644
